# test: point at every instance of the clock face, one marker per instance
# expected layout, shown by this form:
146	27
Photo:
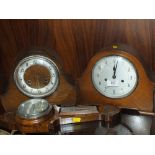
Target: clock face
36	76
114	76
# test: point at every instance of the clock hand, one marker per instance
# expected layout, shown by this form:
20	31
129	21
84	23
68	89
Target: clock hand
114	69
116	65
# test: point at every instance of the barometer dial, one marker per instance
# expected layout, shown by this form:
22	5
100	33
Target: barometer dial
36	76
34	108
114	76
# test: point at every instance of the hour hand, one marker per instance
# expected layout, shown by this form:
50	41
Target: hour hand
114	69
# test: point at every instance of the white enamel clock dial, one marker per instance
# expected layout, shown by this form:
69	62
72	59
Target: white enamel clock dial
36	76
114	76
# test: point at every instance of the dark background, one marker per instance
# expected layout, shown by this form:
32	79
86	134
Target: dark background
76	41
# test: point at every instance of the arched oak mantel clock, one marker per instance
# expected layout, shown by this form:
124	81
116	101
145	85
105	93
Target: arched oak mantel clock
117	76
38	74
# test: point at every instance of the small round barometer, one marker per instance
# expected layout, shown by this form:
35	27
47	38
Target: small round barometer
34	108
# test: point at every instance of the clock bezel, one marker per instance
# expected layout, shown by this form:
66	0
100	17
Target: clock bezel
115	97
37	95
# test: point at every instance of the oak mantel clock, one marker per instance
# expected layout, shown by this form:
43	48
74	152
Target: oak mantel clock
117	76
38	74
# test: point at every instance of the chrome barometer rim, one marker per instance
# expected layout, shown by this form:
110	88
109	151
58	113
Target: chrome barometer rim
25	109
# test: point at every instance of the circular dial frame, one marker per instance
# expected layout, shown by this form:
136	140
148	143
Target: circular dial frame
114	76
36	76
34	108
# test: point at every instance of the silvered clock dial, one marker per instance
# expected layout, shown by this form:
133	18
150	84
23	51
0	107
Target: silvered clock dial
36	76
114	76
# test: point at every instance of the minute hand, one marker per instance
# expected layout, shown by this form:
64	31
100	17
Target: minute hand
114	69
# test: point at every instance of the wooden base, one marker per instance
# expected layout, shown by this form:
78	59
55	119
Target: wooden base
45	124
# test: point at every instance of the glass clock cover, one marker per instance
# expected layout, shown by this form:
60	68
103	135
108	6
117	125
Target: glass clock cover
114	76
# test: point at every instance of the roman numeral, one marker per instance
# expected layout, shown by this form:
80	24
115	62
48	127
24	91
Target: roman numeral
114	91
99	83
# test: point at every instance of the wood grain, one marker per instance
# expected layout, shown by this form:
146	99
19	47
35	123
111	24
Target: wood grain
76	41
40	125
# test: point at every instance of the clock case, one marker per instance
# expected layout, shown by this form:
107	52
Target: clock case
140	99
65	94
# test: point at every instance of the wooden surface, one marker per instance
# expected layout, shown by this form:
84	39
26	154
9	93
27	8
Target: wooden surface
44	124
140	99
137	124
76	41
41	80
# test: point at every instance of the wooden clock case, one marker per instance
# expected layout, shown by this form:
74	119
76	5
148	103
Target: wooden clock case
142	96
65	93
